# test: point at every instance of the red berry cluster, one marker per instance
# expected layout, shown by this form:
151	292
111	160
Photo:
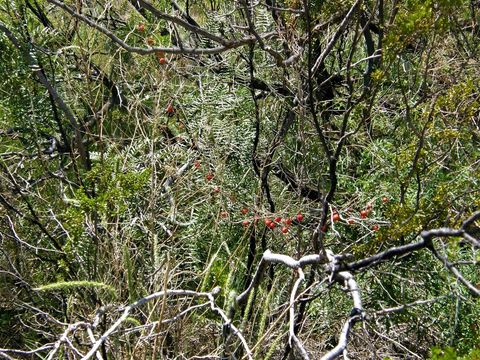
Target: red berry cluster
208	177
151	41
363	214
272	224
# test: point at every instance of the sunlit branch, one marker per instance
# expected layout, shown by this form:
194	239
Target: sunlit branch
226	44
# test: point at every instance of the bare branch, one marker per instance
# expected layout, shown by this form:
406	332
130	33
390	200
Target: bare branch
355	315
335	37
22	242
226	44
443	259
271	258
292	336
128	309
27	352
385	255
192	27
402	307
53	93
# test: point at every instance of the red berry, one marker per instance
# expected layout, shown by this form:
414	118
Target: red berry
141	27
288	221
170	109
278	219
244	211
336	217
375	228
385	200
160	55
245	223
299	217
162	61
271	225
284	229
351	221
267	222
209	176
363	214
197	164
324	228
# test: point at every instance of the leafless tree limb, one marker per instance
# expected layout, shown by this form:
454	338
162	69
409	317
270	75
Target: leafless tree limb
402	307
225	44
292	336
128	309
38	71
319	61
26	352
443	259
22	242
